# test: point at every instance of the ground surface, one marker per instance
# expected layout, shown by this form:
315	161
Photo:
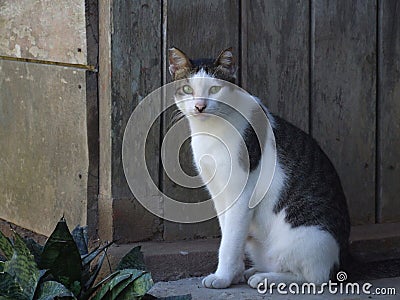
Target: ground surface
243	292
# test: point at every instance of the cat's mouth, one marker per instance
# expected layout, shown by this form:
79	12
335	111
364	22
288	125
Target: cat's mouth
200	115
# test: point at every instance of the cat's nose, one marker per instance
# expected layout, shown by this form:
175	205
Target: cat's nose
200	106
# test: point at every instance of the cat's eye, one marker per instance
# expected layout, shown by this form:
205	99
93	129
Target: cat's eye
214	89
187	89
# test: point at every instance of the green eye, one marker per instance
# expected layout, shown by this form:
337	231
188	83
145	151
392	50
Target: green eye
187	89
214	89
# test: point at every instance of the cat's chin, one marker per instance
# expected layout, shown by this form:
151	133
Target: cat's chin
199	116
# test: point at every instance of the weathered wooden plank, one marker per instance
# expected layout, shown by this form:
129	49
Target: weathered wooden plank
44	30
136	72
389	111
43	145
343	107
201	29
92	109
278	57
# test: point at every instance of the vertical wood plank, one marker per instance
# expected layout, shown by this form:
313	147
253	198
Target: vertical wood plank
344	96
200	29
92	114
136	72
278	57
389	111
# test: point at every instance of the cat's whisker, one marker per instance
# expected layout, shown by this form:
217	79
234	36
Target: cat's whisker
176	116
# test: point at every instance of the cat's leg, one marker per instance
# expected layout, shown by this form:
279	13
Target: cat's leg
231	251
258	254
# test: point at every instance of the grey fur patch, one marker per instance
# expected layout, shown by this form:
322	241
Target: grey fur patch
253	142
313	194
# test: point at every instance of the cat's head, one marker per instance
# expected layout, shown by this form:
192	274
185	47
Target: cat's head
223	67
203	85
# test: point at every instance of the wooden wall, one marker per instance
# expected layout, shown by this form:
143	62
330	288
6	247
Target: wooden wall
330	67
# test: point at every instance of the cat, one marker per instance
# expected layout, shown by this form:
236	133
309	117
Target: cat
299	230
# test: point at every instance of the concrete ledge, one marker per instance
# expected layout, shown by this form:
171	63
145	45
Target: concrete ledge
176	260
172	260
372	246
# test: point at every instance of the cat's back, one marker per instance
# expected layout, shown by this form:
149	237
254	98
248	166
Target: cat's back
313	194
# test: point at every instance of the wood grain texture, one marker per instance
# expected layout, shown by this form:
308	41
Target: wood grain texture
201	29
389	111
92	109
344	97
136	72
44	30
278	57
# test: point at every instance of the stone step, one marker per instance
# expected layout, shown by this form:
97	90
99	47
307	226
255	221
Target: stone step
181	259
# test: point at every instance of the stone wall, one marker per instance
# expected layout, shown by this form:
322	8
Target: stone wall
44	71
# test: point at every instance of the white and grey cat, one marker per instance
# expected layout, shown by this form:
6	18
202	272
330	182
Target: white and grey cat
299	230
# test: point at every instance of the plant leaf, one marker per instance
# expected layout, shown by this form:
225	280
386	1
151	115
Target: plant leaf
10	288
120	277
138	288
5	246
49	290
133	260
92	255
80	237
35	248
95	272
23	268
61	257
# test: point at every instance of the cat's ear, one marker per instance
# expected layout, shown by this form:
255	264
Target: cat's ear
226	62
179	63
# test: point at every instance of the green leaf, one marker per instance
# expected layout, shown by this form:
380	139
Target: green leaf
2	264
133	260
87	259
120	278
51	289
136	289
95	272
35	248
9	287
23	268
6	246
61	257
143	284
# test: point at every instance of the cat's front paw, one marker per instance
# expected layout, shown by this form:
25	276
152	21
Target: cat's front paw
212	281
256	279
249	272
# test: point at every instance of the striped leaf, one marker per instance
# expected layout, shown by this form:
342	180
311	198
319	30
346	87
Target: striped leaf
22	267
49	290
126	284
5	246
10	288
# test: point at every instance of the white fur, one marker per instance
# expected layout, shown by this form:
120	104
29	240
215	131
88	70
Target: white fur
279	253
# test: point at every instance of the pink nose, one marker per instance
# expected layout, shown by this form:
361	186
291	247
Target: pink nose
200	106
